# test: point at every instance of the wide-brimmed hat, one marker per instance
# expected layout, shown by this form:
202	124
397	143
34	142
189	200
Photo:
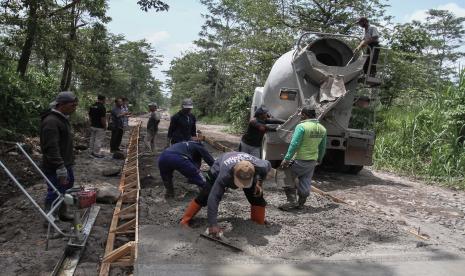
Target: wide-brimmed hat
244	173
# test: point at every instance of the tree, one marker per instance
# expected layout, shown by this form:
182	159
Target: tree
333	16
447	32
157	5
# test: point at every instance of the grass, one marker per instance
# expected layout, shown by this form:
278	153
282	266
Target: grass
425	140
213	120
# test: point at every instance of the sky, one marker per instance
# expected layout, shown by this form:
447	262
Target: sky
171	33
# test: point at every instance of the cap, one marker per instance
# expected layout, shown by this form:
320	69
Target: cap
152	104
244	172
187	103
261	110
64	97
310	112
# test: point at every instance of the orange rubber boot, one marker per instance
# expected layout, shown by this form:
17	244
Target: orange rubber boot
257	214
192	209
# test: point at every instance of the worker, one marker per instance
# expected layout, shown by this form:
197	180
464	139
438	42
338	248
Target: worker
152	127
183	124
125	109
186	158
56	144
251	141
306	150
117	125
370	41
98	124
235	170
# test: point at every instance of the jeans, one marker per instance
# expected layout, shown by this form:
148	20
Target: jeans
52	176
303	170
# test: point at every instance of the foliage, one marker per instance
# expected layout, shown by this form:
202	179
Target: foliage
22	100
426	138
64	45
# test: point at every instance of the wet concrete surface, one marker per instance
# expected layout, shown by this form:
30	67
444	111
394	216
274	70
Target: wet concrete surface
365	237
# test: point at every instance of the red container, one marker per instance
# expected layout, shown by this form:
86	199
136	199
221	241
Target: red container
87	197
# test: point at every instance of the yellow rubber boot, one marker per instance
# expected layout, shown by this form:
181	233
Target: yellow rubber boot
192	209
257	214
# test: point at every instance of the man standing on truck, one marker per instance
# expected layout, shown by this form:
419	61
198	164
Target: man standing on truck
251	141
370	40
183	124
56	144
306	150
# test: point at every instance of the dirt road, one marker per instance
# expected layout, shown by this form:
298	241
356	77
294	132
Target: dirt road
22	235
368	235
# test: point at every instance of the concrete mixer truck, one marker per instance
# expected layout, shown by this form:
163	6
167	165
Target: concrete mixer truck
321	72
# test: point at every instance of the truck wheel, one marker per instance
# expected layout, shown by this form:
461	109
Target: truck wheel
353	169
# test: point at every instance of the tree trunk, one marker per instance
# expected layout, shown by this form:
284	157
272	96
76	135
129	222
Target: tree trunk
30	36
68	66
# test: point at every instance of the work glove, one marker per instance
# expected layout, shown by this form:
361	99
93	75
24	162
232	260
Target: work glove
214	231
285	164
62	175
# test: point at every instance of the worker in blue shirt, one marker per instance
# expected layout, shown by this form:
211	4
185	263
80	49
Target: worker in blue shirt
186	158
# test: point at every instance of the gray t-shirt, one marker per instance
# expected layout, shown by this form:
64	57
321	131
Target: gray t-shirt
116	117
222	170
371	32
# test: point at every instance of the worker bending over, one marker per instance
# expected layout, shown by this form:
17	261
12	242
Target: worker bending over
185	157
307	147
251	141
235	170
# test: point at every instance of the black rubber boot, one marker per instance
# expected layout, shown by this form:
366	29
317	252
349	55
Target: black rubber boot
291	199
301	202
169	189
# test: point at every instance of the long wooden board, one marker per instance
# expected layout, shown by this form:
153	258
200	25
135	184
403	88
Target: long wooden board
127	208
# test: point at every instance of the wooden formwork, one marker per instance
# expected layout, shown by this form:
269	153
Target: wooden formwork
125	219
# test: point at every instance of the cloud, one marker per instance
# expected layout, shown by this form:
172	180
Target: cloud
158	37
420	15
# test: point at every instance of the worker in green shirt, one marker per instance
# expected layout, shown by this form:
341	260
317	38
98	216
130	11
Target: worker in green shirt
306	151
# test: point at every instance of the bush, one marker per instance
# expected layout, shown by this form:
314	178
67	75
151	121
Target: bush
426	140
22	101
